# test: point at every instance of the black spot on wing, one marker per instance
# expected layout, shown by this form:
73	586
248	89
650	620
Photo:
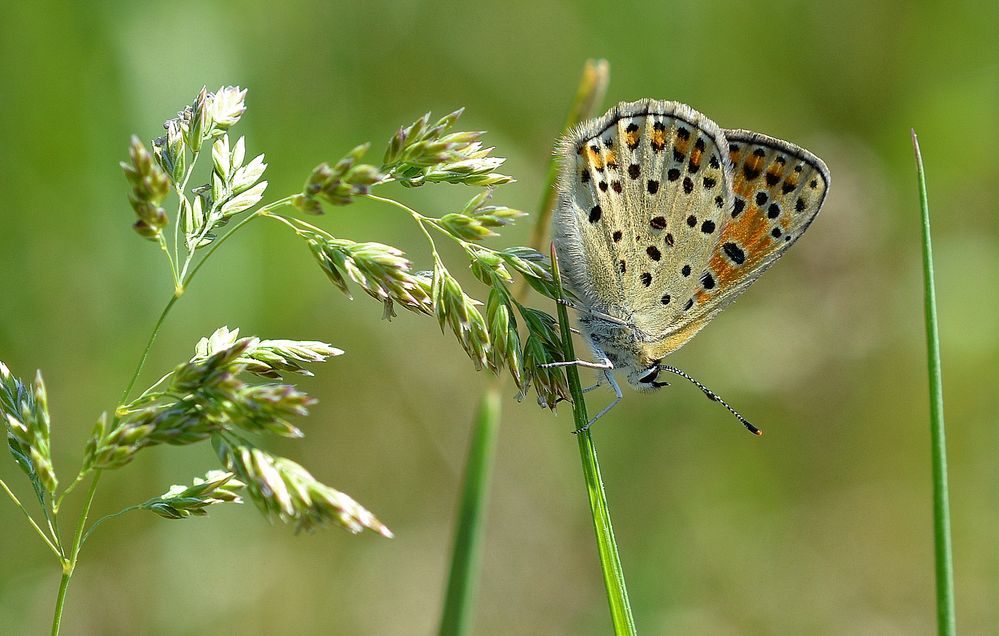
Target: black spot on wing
734	253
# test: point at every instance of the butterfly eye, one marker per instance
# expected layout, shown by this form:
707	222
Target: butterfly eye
650	376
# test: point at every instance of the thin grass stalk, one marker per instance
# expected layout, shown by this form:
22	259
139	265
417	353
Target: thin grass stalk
466	552
69	562
463	580
610	562
946	620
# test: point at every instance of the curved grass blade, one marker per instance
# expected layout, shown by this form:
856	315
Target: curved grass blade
946	621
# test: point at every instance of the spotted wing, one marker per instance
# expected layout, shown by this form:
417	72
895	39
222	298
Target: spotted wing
644	193
778	190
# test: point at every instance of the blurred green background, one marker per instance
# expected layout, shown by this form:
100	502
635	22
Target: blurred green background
820	527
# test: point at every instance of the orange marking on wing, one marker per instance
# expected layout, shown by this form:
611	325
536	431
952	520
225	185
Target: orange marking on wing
658	138
758	236
754	163
595	158
611	159
775	170
631	139
724	272
695	157
751	232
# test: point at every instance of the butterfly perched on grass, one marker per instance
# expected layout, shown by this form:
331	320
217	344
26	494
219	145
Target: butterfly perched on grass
663	219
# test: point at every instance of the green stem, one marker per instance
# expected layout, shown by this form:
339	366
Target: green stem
467	547
467	552
30	519
946	620
69	563
170	259
149	346
76	482
422	221
94	525
264	211
181	188
60	602
610	562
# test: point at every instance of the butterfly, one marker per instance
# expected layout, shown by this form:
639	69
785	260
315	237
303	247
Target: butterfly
663	219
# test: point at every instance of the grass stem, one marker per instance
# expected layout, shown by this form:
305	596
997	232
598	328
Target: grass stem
610	562
69	563
465	562
456	616
31	520
946	621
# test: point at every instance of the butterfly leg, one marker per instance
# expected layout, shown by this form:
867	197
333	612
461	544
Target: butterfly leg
603	364
599	383
599	314
617	398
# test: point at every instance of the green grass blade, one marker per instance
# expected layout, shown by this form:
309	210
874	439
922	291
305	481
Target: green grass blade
610	562
946	622
465	555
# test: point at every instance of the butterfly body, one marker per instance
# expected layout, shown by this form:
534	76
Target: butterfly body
664	218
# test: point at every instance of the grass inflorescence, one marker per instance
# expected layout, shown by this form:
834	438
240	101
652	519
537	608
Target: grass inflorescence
233	392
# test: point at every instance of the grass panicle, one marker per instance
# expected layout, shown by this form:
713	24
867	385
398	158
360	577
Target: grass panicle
180	502
26	411
286	491
232	391
208	394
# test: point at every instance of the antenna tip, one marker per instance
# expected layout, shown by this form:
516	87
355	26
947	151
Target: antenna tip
752	429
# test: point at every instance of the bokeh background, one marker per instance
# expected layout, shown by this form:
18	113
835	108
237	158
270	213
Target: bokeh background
822	526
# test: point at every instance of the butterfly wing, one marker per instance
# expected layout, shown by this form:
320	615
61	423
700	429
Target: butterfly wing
643	196
778	190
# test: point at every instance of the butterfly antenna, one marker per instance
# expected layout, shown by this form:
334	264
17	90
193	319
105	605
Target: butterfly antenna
712	396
